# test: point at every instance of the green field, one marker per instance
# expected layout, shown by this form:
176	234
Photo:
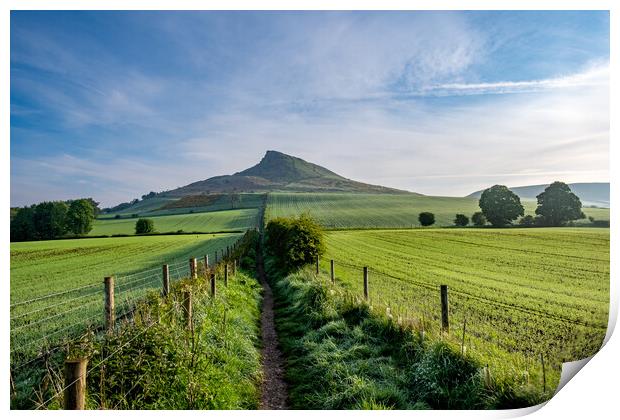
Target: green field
57	286
153	206
215	221
524	292
341	211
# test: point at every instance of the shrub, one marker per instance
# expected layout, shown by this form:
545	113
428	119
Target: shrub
478	219
527	221
144	226
461	220
601	223
426	218
118	216
294	242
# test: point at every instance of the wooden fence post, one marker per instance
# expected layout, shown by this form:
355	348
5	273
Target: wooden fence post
366	283
213	291
463	338
192	268
542	361
206	261
187	308
445	322
333	273
109	312
317	265
487	376
75	384
226	275
235	267
165	280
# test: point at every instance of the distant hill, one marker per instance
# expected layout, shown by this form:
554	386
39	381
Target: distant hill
590	193
279	172
276	172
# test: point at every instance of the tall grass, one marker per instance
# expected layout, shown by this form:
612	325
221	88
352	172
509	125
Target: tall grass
344	355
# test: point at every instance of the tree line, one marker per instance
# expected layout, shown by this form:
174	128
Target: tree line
54	219
557	206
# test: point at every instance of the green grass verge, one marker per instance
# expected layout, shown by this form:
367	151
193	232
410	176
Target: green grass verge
155	362
348	210
341	354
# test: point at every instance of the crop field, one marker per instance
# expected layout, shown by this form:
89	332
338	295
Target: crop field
522	293
57	286
168	205
215	221
341	211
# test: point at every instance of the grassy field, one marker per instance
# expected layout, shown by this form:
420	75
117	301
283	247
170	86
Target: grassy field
523	292
153	206
341	211
61	281
215	221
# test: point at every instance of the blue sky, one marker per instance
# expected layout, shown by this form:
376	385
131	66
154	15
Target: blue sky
115	104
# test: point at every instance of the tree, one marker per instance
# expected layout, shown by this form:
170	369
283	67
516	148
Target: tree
234	198
461	220
50	219
478	219
22	225
557	204
95	206
144	226
80	216
426	218
500	206
527	221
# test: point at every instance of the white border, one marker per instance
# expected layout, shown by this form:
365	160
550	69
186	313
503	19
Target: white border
593	393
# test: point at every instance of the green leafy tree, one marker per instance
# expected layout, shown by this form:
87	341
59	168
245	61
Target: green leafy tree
50	219
461	220
500	206
478	219
426	219
22	225
80	216
557	204
144	226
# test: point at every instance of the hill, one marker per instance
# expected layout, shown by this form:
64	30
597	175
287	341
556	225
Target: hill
279	172
590	193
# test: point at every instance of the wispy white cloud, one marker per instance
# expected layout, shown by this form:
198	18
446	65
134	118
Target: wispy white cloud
594	75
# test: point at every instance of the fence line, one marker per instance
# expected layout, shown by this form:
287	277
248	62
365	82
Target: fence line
483	299
129	288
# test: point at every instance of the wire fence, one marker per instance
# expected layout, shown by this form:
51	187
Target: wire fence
512	337
41	325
